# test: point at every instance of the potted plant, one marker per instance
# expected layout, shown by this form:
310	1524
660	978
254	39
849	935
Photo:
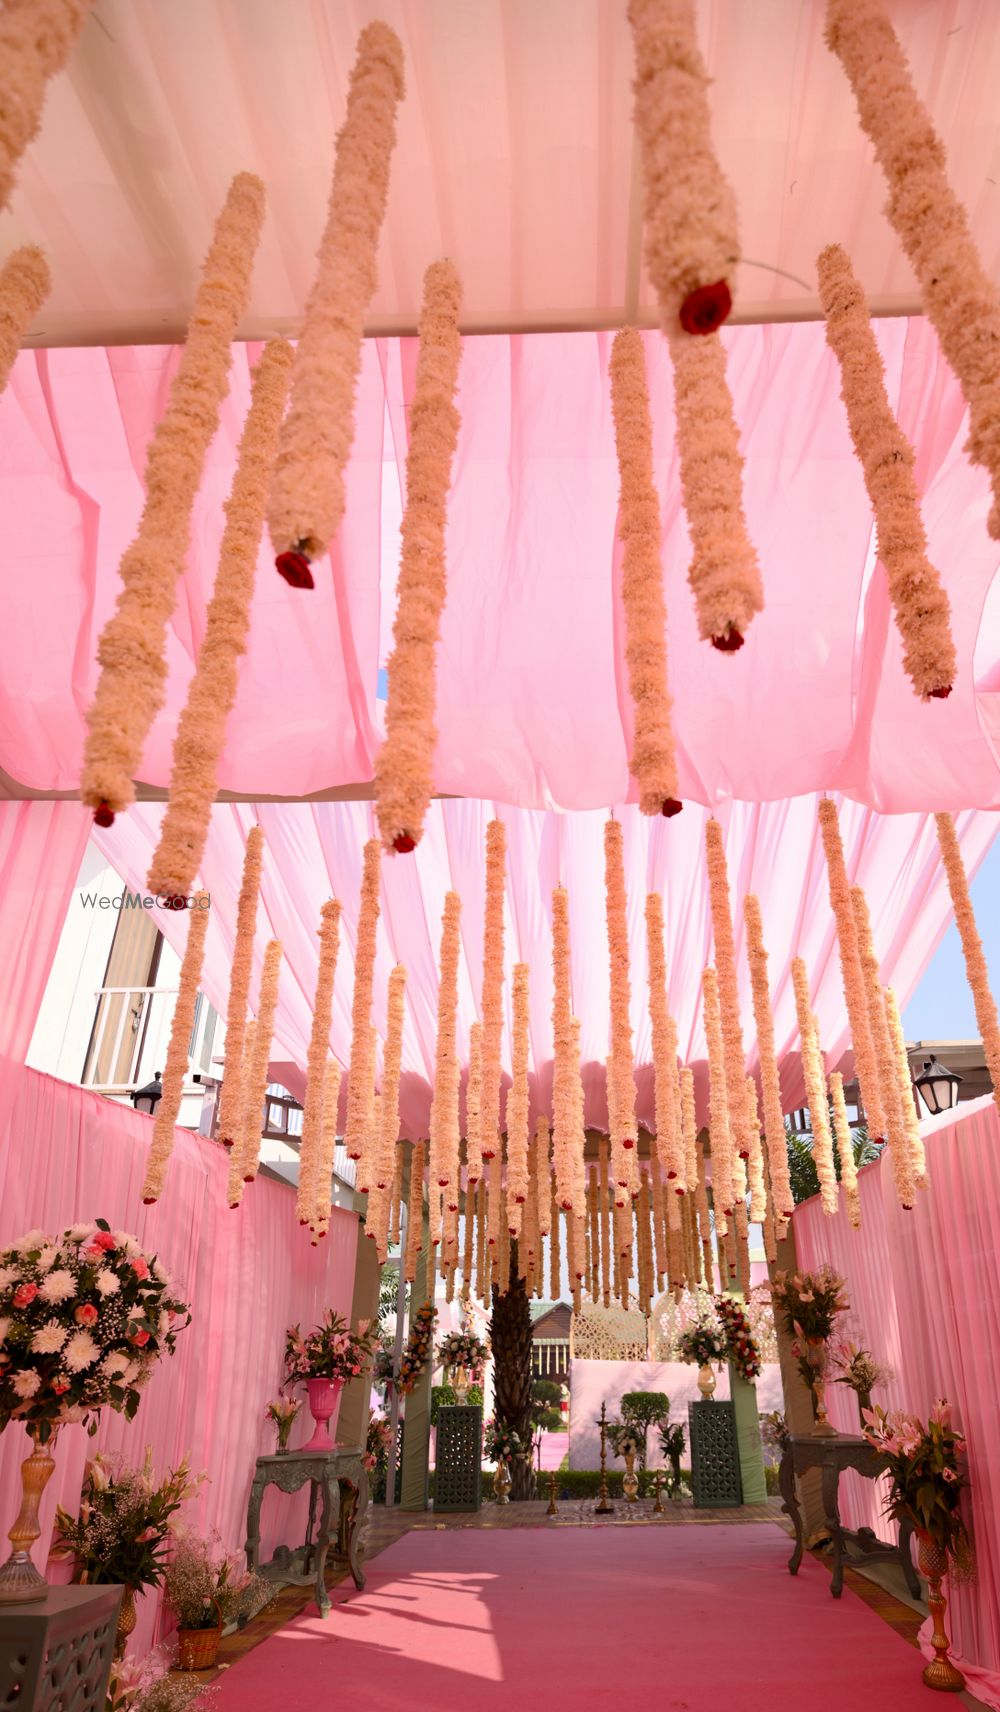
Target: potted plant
924	1463
464	1353
122	1532
672	1446
642	1410
323	1360
808	1304
858	1369
201	1587
84	1317
283	1411
502	1444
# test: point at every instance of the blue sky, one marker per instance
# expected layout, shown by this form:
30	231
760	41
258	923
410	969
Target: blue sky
941	1008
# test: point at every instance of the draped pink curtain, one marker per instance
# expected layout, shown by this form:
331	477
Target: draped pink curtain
68	1155
924	1289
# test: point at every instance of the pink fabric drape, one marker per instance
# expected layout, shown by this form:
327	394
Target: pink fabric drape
924	1288
773	849
533	708
67	1155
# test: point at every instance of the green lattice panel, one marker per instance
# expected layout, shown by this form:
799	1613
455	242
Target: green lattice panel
715	1455
458	1470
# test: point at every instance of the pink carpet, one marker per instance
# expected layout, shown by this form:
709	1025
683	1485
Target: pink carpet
585	1620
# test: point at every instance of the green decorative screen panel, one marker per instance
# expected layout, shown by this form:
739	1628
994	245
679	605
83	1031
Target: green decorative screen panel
458	1473
715	1455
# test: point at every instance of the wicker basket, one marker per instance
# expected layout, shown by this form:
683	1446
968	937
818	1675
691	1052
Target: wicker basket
197	1649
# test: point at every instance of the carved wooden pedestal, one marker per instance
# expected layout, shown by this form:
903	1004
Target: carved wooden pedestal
458	1465
831	1456
339	1479
715	1456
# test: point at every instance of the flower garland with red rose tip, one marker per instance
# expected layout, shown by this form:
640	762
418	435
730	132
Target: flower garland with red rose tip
234	1186
579	1126
865	1059
669	1148
959	297
545	1184
562	1052
418	1349
132	646
755	1163
360	1074
729	994
774	1117
741	1344
692	242
230	1096
377	1218
720	1141
444	1124
176	1065
517	1105
911	1138
972	948
201	729
414	1211
257	1079
306	502
322	1198
919	601
311	1141
845	1149
36	37
622	1101
491	1006
653	762
892	1096
814	1075
689	1128
403	770
25	283
473	1107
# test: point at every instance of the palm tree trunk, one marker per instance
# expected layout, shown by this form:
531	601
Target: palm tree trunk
510	1337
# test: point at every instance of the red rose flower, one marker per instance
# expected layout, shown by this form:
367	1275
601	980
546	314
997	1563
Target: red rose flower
705	308
25	1294
60	1386
139	1337
294	567
140	1267
86	1314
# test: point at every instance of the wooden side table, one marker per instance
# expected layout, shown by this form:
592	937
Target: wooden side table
339	1479
831	1456
57	1651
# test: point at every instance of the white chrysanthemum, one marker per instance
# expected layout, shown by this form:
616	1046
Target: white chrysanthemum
49	1338
34	1239
4	1328
163	1324
7	1276
26	1382
81	1233
159	1272
80	1352
114	1363
128	1243
108	1282
58	1286
49	1255
131	1370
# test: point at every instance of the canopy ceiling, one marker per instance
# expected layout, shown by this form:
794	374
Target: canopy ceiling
515	155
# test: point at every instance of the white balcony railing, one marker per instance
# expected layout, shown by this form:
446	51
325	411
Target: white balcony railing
131	1032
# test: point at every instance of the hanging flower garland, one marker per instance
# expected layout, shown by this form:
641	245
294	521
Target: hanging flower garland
958	295
911	1138
755	1163
865	1060
972	947
176	1066
741	1344
562	1054
491	1009
623	1132
919	601
311	1141
545	1184
201	729
380	1195
845	1149
517	1106
774	1117
729	995
307	494
418	1348
444	1126
689	1129
25	283
248	1161
395	1209
360	1075
36	37
815	1080
555	1261
893	1097
131	650
230	1098
692	243
496	1223
414	1211
669	1148
403	770
653	762
473	1107
720	1141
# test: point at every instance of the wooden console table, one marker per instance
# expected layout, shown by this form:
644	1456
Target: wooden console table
831	1456
340	1480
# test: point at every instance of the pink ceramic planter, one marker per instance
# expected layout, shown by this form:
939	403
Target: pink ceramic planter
324	1406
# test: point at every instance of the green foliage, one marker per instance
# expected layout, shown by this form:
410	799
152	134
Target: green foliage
640	1411
802	1166
546	1415
442	1397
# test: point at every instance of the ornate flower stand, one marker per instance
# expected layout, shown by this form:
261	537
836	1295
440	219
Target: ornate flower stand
832	1456
716	1482
57	1651
340	1480
458	1468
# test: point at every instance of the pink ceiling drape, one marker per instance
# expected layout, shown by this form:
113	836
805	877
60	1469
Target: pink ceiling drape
314	851
532	702
68	1155
924	1288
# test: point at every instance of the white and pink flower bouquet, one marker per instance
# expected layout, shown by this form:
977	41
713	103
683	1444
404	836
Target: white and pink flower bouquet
463	1349
125	1525
330	1351
83	1318
924	1464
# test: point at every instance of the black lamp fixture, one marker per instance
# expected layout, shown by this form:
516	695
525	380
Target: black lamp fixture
144	1099
937	1086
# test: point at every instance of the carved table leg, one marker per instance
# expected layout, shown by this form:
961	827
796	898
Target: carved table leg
906	1558
307	1550
790	1505
353	1504
253	1522
831	1508
328	1488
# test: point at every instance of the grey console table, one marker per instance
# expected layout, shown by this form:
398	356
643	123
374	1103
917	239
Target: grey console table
339	1479
56	1652
831	1456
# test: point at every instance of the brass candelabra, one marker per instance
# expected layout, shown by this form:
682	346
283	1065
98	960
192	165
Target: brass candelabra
551	1511
604	1506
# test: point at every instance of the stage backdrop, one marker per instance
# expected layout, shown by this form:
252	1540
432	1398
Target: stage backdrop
67	1155
924	1288
592	1383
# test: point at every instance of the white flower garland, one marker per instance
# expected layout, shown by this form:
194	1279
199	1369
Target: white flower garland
517	1106
622	1094
311	1142
774	1118
403	770
176	1064
360	1080
720	1141
544	1170
892	1103
729	994
958	295
814	1075
307	494
230	1097
653	763
378	1217
865	1061
491	1008
473	1107
911	1138
689	1129
972	947
845	1148
320	1219
201	729
692	242
562	1053
25	283
248	1162
444	1125
131	650
414	1211
669	1148
755	1163
919	601
36	37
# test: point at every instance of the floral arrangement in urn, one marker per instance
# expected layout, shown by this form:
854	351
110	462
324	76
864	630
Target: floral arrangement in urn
418	1347
501	1443
808	1305
283	1411
463	1349
701	1341
324	1360
741	1344
859	1369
